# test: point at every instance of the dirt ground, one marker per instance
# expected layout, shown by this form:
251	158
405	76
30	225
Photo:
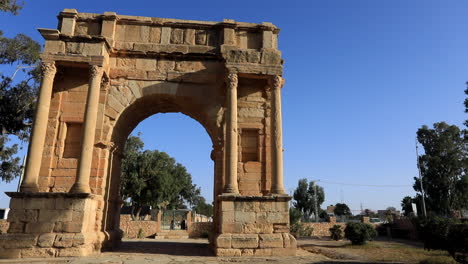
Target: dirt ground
194	251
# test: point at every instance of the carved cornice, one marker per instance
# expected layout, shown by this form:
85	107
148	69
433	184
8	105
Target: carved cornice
48	69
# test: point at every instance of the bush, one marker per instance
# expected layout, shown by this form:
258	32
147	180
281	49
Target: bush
359	233
438	260
205	234
294	215
336	233
141	234
445	234
301	230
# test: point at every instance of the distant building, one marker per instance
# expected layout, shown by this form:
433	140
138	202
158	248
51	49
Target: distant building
331	210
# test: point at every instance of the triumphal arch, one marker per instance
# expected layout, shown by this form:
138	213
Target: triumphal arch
102	75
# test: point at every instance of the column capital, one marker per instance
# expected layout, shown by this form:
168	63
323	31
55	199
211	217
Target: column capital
277	81
95	71
48	69
233	80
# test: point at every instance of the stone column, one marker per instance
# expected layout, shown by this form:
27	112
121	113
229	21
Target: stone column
36	145
92	101
231	129
277	181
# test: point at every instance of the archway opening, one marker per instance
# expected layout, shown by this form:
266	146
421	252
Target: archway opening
163	126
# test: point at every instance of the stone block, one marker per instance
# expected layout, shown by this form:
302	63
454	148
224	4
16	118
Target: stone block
46	240
55	215
234	228
16	227
224	241
63	203
289	241
227	206
38	252
252	166
271	241
228	217
16	203
72	227
247	252
228	252
73	252
244	217
244	241
36	203
18	240
64	240
258	228
13	253
281	228
40	227
177	36
78	240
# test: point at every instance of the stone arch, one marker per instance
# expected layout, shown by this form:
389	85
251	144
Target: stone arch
154	101
104	73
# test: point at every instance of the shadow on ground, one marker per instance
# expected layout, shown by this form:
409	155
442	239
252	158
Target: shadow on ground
197	248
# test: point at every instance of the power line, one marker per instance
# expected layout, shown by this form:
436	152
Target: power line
366	185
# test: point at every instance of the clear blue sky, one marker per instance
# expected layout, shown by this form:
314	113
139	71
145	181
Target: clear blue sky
361	78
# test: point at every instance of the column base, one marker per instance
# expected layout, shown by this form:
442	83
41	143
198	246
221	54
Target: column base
254	226
80	188
33	187
51	225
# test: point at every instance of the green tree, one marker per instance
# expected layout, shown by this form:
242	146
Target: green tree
17	93
342	209
466	106
304	197
444	167
203	208
406	205
153	178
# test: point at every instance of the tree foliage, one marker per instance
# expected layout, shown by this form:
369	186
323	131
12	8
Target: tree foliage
406	205
11	6
153	178
342	209
444	167
18	92
466	105
359	233
305	199
203	208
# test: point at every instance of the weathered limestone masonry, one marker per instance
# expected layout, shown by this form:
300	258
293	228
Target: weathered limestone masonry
105	73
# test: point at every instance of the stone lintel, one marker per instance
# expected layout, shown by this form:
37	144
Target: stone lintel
74	59
51	195
252	68
244	198
49	34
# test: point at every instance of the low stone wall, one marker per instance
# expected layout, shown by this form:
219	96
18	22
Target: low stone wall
199	229
322	229
4	224
131	228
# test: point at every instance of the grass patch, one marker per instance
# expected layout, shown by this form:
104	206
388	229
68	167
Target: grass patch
386	251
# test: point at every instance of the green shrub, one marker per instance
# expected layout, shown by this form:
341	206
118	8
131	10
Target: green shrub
438	260
336	233
439	233
294	215
359	233
457	242
205	234
141	234
301	230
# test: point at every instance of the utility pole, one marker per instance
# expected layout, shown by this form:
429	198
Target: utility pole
316	202
420	180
